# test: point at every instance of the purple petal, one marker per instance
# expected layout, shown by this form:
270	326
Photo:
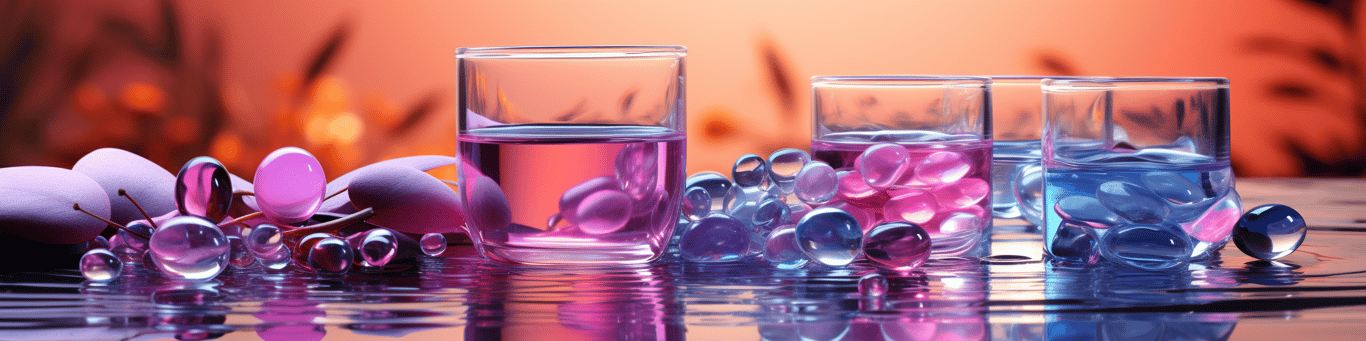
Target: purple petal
342	203
406	199
152	186
37	204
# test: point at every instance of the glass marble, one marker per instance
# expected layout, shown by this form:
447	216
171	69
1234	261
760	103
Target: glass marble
883	165
265	241
781	250
637	169
290	185
897	246
1027	186
1086	210
696	203
1075	243
770	214
100	266
716	238
1270	231
1133	203
330	256
783	166
872	285
1151	247
132	240
941	168
190	247
830	236
433	244
203	188
238	255
910	204
962	194
277	260
716	185
816	183
377	247
750	171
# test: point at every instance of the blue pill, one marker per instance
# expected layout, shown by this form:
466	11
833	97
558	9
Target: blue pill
716	238
1269	232
1074	243
1151	247
750	171
1086	210
1132	202
830	236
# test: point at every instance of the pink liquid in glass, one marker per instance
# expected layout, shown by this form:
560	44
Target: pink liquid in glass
564	194
944	187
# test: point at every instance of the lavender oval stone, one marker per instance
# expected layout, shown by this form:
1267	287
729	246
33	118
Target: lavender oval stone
830	236
897	246
100	266
750	171
290	185
604	212
716	238
203	188
817	183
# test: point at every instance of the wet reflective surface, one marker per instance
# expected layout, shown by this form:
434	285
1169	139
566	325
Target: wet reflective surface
1317	292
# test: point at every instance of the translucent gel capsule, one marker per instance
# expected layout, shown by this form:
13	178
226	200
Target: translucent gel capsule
1173	187
910	204
852	188
1152	247
897	246
1132	202
1086	210
238	255
433	244
872	285
964	193
1217	223
604	212
574	196
750	171
132	240
941	168
1075	243
1027	187
716	185
330	256
830	236
770	214
290	185
696	203
637	169
883	165
276	261
100	266
190	247
378	247
265	241
716	238
203	188
816	183
783	166
781	250
1269	232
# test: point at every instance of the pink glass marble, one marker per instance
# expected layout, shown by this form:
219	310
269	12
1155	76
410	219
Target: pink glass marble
189	247
910	204
966	192
883	165
941	168
203	188
897	246
290	185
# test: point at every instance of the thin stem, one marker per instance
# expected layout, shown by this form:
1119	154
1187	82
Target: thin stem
329	196
332	226
239	220
77	206
243	193
124	194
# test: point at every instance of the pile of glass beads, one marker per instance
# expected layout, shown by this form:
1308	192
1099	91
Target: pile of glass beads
780	209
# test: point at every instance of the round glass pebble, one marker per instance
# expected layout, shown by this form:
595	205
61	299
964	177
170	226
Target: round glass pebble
276	261
883	165
1086	210
290	185
696	203
238	255
783	166
942	168
716	185
816	183
265	241
781	248
433	244
1133	203
190	247
330	256
100	266
830	236
716	238
378	247
770	214
135	241
1075	243
1270	231
872	285
203	188
897	246
1152	247
1027	186
750	171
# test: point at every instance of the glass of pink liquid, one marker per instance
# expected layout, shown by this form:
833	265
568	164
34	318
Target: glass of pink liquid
571	155
910	148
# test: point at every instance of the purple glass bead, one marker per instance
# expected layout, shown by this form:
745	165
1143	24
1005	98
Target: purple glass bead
433	244
377	247
265	240
830	236
276	261
1086	210
100	266
942	168
716	185
750	171
769	215
783	166
190	247
1151	247
238	255
897	246
203	188
716	238
132	240
883	165
330	256
637	169
1074	242
1134	203
572	198
603	212
961	194
1269	232
696	203
290	185
816	183
872	285
852	188
781	248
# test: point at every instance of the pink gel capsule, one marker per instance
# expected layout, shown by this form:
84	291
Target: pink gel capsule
964	193
942	168
1217	222
882	165
604	212
865	219
910	204
289	185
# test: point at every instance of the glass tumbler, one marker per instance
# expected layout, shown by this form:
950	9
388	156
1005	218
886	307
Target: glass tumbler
1017	129
571	155
910	148
1136	171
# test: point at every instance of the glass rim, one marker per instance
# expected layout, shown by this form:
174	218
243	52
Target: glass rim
918	81
572	51
1085	84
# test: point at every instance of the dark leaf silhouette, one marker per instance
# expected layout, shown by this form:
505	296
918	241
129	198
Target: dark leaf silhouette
1291	90
325	56
418	113
779	76
1055	64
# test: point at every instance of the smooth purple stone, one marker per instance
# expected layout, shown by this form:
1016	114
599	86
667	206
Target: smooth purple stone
961	194
816	183
488	205
604	212
716	238
203	188
897	246
290	185
941	168
637	169
190	247
872	285
883	165
330	256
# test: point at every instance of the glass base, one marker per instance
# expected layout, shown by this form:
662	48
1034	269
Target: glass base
637	254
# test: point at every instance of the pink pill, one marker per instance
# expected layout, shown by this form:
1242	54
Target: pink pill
882	165
910	204
942	168
964	193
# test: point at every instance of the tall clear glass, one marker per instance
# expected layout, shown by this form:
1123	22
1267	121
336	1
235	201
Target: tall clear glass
1136	170
572	155
1017	122
910	148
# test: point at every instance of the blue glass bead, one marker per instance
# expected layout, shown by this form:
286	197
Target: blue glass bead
1132	202
100	266
696	203
750	171
715	184
897	246
1086	210
781	248
830	236
716	238
203	188
783	166
1152	247
872	285
770	214
1074	243
816	183
1269	232
1175	188
1027	186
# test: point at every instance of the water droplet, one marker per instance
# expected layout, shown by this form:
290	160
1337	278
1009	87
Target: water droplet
433	244
872	285
816	183
100	266
783	166
1269	232
1132	202
897	246
1152	247
190	247
781	248
883	165
750	171
203	188
289	185
716	238
830	236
